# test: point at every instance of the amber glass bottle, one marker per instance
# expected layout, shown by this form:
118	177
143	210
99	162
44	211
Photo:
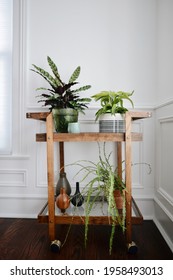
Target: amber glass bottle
63	200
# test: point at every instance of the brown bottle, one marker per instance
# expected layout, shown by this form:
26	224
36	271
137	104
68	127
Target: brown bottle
62	200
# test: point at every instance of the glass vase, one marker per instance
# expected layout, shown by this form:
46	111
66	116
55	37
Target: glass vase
77	198
63	183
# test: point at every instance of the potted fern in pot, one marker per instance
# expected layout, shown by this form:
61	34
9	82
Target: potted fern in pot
64	101
111	113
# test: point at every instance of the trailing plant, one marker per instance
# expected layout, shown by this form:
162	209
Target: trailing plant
100	188
60	94
104	181
112	102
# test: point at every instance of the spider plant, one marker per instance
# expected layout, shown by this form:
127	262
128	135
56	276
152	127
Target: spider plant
104	181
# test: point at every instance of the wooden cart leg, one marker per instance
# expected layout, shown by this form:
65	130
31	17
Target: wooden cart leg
50	176
61	156
132	248
119	159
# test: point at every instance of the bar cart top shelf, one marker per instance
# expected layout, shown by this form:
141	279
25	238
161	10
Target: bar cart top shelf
88	136
43	115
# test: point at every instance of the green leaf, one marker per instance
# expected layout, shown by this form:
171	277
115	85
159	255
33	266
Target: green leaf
55	71
75	75
100	95
45	75
42	88
125	95
82	88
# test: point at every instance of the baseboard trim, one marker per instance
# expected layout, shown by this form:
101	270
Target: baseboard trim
163	233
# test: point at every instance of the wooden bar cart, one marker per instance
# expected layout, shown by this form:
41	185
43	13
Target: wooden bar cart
48	213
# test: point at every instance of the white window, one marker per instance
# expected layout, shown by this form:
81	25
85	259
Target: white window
6	39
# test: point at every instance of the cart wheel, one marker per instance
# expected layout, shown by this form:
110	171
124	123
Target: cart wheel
132	248
55	246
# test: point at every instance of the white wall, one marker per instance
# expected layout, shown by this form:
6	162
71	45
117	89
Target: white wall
164	51
164	121
114	42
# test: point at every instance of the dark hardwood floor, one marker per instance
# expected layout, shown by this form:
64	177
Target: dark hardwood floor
26	239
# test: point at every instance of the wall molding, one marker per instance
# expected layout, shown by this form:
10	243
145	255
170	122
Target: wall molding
19	178
22	46
163	233
27	196
14	157
165	195
163	104
164	143
165	119
165	216
164	209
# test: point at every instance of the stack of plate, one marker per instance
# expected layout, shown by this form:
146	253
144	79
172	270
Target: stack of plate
112	126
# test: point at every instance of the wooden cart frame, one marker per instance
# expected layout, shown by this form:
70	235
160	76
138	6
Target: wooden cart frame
47	215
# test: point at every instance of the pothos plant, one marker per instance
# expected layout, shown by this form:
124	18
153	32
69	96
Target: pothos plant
112	102
60	94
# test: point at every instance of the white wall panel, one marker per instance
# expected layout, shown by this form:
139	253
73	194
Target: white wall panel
13	178
166	156
112	55
164	222
164	179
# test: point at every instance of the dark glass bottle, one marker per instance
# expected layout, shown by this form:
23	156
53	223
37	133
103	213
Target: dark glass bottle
63	183
77	198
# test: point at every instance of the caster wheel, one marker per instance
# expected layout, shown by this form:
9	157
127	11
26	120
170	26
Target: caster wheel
132	248
55	246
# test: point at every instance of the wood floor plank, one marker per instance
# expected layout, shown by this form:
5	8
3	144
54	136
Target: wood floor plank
26	239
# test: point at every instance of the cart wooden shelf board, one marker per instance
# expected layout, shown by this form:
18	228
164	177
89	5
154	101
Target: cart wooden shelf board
76	215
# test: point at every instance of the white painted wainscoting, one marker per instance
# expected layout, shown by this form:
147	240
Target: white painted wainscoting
163	198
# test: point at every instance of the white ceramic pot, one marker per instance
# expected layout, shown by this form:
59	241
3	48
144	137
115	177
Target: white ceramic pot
112	123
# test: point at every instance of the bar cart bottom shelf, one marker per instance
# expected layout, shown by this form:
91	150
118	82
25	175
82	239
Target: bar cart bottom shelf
98	217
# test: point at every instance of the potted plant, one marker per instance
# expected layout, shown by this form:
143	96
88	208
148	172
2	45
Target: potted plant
103	184
111	113
64	102
106	187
